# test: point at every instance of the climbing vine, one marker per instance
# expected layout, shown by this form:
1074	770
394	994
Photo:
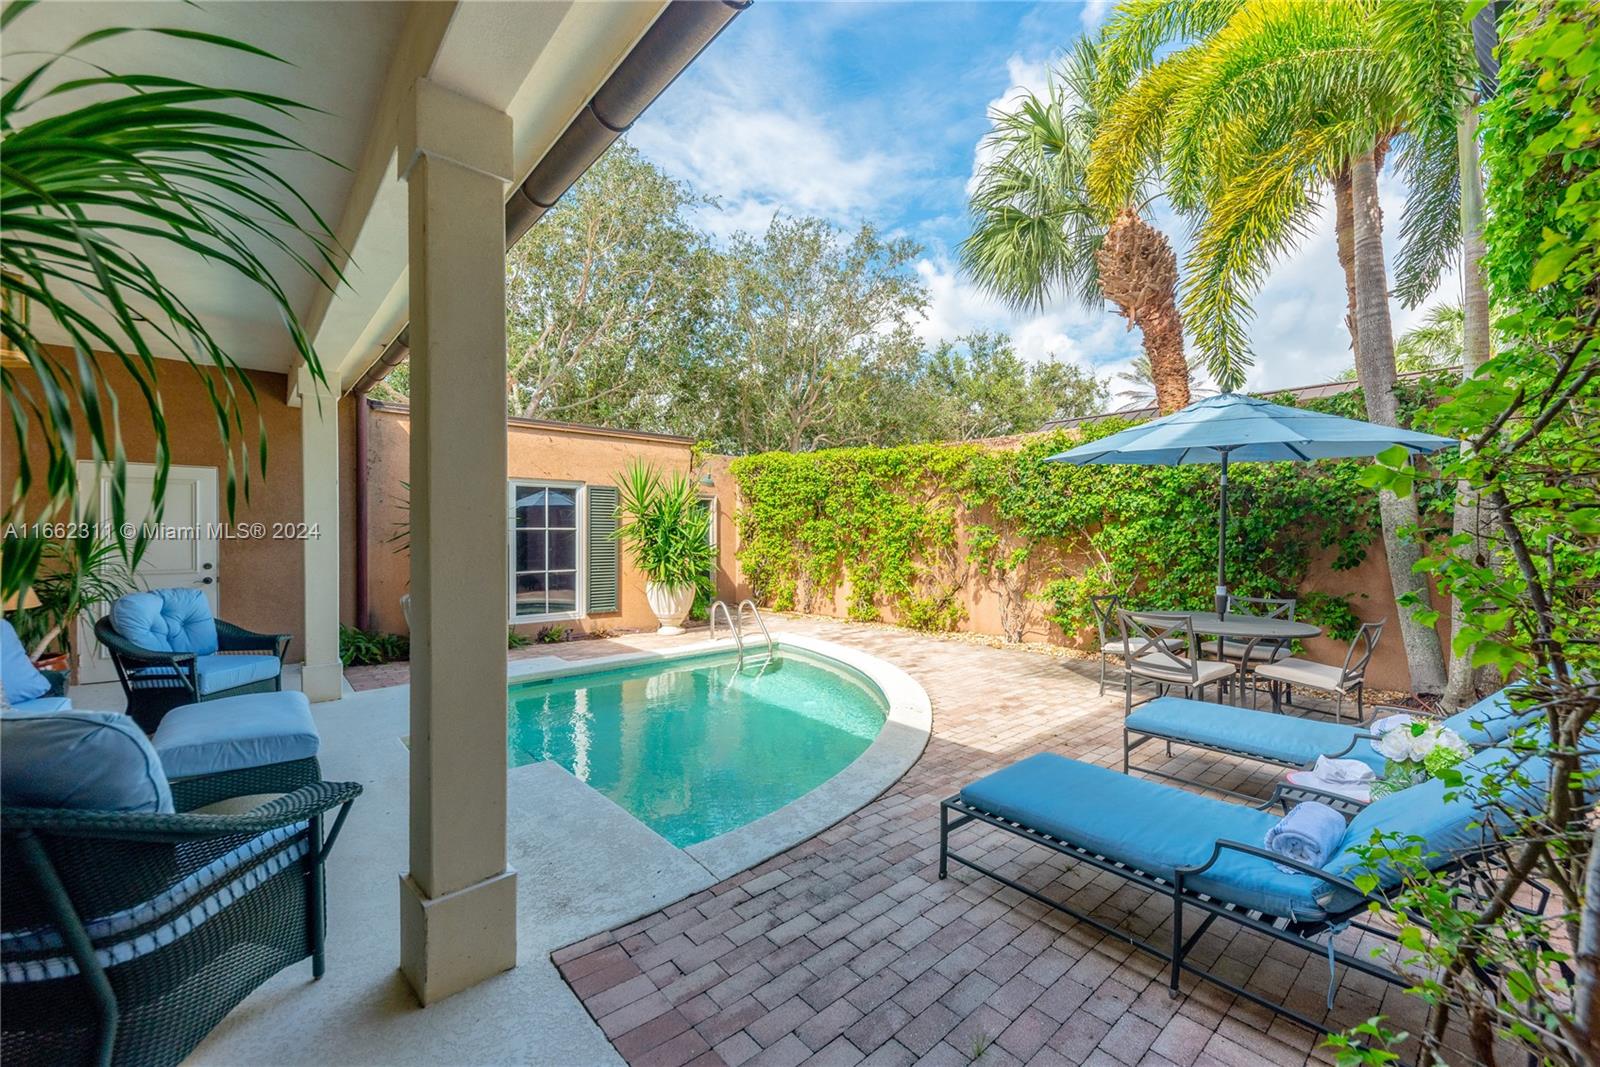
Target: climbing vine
908	530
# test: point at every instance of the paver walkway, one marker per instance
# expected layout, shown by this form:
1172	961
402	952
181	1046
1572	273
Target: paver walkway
849	949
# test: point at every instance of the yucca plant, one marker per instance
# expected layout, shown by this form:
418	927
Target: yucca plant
665	526
91	163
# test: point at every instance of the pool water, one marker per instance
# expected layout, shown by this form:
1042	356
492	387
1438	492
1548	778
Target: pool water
694	748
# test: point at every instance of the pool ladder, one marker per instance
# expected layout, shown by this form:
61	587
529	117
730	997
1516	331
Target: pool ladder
735	620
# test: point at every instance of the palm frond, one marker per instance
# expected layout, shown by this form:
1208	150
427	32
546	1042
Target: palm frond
159	159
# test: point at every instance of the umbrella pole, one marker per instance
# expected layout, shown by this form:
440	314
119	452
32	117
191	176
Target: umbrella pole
1222	541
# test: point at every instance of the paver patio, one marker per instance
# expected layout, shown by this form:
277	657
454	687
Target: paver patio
849	949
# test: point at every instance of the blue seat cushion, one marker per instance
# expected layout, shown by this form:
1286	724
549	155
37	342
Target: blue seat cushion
1266	734
1147	825
166	620
234	733
97	760
222	671
19	678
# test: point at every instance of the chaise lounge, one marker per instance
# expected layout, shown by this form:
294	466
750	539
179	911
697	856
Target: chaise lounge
1205	854
1289	741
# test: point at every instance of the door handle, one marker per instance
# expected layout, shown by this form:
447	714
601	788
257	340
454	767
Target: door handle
207	580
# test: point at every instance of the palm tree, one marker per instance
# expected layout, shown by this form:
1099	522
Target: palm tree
1435	343
1038	232
1140	383
1275	103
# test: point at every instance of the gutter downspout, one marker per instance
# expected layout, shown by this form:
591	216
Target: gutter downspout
363	595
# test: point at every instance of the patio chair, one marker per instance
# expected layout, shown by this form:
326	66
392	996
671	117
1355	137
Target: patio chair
137	912
1203	855
1289	741
1161	649
1348	678
169	651
1105	609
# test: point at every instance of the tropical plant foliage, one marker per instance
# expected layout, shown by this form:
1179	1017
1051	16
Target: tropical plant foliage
1530	604
1040	231
100	169
666	526
74	574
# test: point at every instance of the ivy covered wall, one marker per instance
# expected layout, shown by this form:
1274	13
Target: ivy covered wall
991	537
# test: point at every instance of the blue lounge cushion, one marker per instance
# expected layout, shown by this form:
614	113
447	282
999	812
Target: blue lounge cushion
19	678
222	671
234	733
166	620
1446	820
97	760
1283	738
1490	721
1147	825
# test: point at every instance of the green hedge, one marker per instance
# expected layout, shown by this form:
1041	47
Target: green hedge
887	520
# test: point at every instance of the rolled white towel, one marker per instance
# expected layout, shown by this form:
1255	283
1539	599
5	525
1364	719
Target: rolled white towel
1343	771
1309	834
1383	725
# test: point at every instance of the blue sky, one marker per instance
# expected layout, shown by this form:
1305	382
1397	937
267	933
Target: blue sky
873	112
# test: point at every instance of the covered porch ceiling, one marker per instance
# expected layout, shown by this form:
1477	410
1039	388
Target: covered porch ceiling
356	64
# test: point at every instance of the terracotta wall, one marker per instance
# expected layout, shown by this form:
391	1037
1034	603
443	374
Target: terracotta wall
533	450
261	582
1367	586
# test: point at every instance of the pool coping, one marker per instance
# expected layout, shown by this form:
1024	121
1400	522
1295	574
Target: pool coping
905	733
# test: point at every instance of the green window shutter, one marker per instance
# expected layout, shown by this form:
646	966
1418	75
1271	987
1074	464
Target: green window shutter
602	548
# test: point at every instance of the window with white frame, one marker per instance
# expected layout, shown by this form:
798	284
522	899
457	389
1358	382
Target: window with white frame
546	545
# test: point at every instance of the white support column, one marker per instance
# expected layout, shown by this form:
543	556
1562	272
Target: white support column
323	675
458	907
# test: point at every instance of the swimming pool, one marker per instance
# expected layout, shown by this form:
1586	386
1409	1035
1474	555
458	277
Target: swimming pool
694	748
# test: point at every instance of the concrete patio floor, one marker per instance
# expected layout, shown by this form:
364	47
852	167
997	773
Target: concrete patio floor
846	948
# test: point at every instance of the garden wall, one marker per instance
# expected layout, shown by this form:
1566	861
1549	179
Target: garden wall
987	538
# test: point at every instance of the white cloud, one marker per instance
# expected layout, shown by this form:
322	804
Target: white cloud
758	162
1089	337
1024	77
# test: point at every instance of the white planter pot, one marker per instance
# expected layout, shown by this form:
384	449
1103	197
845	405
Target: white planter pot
671	603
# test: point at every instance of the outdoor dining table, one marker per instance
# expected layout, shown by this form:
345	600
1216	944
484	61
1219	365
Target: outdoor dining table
1251	629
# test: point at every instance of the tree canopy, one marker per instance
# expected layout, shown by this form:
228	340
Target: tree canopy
622	312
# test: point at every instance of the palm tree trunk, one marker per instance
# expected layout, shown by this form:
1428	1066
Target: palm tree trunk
1459	688
1139	273
1376	372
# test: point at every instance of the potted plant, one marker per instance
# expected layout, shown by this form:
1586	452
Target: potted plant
72	577
662	522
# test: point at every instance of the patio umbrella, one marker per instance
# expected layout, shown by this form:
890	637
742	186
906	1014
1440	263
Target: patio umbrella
1234	427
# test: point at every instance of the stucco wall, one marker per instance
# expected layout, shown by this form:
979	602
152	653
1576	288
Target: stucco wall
1367	586
261	582
533	450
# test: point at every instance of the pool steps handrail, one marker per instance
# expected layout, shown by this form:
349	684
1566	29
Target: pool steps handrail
735	621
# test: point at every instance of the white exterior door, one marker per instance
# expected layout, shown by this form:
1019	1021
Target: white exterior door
183	554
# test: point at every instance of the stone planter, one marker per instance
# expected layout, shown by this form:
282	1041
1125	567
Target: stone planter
671	603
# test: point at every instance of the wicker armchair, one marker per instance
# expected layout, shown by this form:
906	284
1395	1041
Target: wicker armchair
128	937
156	682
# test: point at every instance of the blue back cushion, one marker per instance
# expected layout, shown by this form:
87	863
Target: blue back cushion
167	620
18	676
1447	826
1489	721
97	760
